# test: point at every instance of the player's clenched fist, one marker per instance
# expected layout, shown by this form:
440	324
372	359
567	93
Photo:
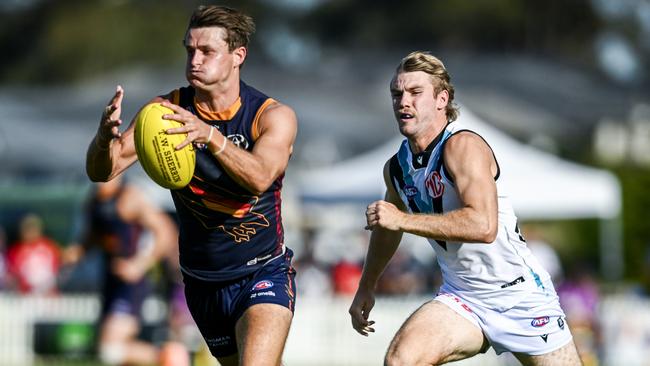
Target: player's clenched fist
384	215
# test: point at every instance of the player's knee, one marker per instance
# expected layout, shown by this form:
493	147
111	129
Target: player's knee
399	355
111	353
397	358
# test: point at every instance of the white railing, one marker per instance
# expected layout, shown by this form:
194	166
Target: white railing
18	314
321	333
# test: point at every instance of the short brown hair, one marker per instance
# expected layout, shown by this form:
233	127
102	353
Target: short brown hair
238	26
424	61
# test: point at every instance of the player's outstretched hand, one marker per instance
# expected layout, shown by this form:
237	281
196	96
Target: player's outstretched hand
196	130
359	311
110	121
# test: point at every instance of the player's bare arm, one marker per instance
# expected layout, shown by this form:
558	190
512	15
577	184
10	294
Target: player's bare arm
255	170
472	166
382	247
111	151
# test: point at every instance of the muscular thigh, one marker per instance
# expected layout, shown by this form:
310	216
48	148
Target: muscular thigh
261	334
248	318
434	334
564	356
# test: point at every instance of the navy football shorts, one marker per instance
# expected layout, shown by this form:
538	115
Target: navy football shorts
216	306
123	297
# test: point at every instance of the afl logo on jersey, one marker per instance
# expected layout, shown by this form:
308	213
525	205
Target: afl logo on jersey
410	191
434	184
540	322
239	140
263	285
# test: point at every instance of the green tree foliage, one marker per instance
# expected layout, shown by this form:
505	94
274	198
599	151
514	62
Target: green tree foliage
67	40
477	24
635	182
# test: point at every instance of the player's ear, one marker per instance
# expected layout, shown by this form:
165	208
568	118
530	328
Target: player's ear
442	99
239	54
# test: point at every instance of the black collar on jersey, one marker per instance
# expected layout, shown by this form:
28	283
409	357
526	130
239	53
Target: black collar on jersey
421	159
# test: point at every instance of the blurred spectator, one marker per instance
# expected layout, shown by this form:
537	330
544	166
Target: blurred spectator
346	272
4	280
346	276
543	251
312	276
579	297
182	328
117	216
403	276
33	261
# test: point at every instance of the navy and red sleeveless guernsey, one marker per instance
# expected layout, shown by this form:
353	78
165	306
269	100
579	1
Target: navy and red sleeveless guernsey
227	232
116	237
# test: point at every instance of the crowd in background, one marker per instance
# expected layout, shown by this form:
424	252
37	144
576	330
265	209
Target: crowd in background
329	263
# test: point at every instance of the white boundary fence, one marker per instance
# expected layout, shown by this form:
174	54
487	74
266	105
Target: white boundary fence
19	314
321	333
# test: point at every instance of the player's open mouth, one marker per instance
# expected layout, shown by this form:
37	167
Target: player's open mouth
405	116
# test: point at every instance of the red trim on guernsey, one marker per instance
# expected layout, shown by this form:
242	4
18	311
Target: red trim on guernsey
220	203
278	219
290	291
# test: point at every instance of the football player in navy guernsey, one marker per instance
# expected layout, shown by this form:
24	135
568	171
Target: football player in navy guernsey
444	184
239	282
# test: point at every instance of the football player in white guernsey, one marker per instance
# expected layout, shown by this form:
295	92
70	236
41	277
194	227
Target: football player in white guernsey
443	184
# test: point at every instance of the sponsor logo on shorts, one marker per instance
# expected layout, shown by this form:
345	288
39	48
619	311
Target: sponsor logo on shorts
545	337
459	301
263	285
560	323
263	293
516	281
540	322
219	341
410	191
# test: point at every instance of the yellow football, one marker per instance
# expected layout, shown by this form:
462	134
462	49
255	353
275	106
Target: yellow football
168	167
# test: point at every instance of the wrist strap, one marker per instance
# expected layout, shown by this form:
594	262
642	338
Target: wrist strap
210	135
223	146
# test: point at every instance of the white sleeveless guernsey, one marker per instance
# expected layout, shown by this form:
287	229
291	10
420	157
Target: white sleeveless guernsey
496	275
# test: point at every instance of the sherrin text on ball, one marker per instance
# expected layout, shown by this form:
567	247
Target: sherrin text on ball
168	167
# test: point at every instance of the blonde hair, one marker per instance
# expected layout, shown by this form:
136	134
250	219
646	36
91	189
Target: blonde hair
425	62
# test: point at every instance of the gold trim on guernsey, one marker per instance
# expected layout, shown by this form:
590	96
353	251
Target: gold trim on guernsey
226	115
255	130
229	113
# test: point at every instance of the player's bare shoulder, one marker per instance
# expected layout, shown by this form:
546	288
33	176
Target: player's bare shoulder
130	201
277	112
463	141
465	149
278	118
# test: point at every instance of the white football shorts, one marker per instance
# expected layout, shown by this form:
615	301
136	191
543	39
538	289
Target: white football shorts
535	326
